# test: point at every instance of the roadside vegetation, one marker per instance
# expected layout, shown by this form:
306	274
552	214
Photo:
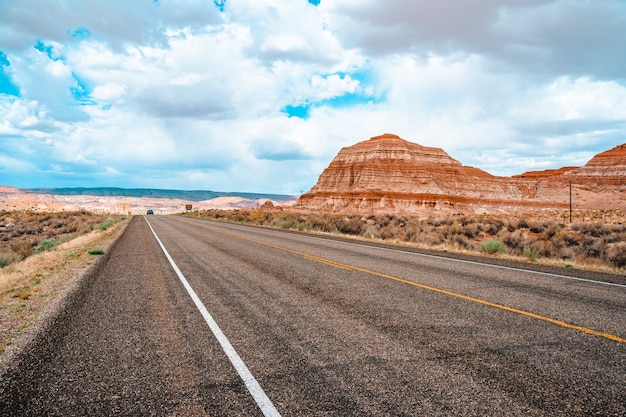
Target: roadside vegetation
41	255
591	242
24	233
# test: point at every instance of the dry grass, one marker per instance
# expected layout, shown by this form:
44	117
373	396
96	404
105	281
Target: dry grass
594	241
29	285
23	233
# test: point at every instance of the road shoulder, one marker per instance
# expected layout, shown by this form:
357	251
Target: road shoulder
44	284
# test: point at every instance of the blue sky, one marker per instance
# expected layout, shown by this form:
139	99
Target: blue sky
260	95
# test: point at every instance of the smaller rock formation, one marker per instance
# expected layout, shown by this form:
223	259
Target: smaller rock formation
604	172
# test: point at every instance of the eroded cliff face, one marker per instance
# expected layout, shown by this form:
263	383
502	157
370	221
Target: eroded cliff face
604	172
387	174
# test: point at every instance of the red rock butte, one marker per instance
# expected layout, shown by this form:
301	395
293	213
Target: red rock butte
387	174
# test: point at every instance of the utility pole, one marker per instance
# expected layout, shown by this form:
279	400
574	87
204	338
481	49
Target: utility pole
570	202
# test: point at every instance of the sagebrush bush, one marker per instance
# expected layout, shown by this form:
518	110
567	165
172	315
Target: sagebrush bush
46	245
104	226
616	254
22	248
351	225
493	247
462	242
531	254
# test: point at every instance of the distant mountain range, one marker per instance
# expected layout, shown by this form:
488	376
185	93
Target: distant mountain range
194	195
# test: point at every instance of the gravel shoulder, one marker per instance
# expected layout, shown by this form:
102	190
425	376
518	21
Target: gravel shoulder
34	290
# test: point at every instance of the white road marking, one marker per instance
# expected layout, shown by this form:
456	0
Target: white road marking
262	400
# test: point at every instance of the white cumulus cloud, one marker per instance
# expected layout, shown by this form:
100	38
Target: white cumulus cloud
252	95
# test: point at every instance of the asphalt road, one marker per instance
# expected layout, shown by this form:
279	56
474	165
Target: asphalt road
318	327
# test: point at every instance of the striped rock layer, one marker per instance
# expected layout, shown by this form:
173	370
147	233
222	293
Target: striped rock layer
387	174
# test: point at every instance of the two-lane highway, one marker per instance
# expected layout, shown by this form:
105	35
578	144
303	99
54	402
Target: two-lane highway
189	317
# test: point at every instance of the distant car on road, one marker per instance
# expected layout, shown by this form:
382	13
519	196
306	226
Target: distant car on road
150	211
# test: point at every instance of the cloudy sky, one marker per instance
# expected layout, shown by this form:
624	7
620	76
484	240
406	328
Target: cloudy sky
260	95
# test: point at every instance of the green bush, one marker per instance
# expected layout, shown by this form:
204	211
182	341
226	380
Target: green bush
531	254
104	226
46	245
96	252
286	224
493	247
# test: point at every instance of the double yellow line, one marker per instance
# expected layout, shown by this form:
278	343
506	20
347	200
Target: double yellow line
438	290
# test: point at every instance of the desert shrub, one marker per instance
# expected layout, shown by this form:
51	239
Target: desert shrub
471	230
46	245
5	259
104	226
371	230
319	222
592	247
437	222
384	219
592	229
513	240
411	231
536	227
493	227
22	248
462	242
465	221
286	224
455	228
350	225
493	247
56	223
552	229
545	248
237	216
431	239
616	254
615	236
258	217
87	229
531	254
564	252
392	231
568	238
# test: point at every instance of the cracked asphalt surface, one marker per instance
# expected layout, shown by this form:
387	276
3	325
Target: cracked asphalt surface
326	327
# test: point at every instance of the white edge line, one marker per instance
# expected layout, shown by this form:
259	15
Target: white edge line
262	400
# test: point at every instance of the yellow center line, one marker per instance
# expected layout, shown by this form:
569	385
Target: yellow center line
435	289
